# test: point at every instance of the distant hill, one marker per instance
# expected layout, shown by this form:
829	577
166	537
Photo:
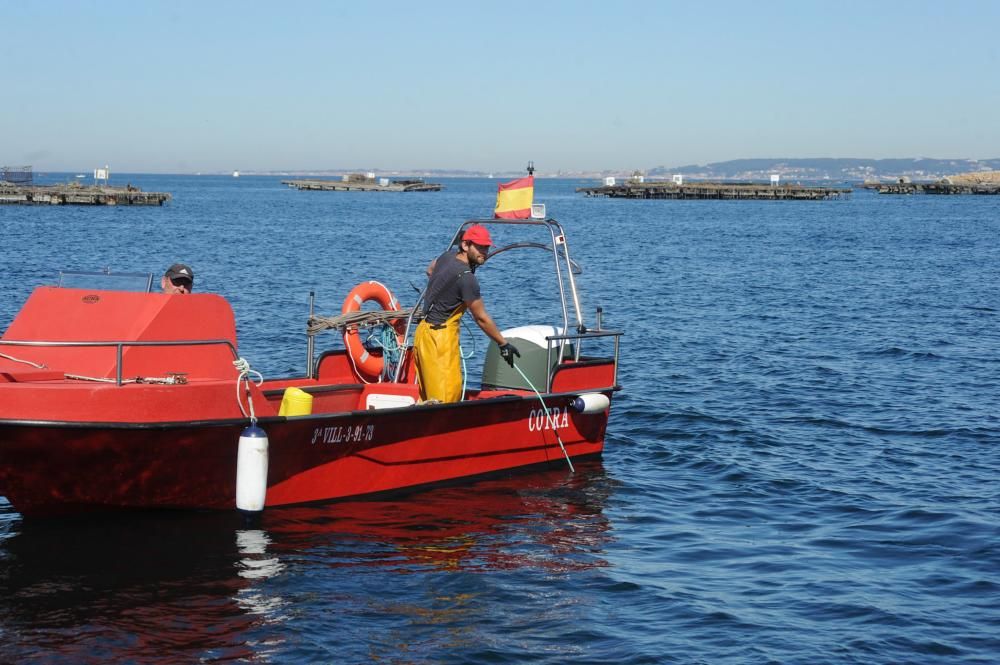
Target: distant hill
760	170
846	169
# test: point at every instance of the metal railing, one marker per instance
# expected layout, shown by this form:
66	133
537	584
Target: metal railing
17	175
106	280
120	346
579	337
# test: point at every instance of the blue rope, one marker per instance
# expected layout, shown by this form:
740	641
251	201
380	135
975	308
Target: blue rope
461	354
384	337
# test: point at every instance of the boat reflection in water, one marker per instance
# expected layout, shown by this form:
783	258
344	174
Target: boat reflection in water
184	587
494	524
121	588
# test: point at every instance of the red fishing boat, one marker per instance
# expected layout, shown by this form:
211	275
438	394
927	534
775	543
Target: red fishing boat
134	400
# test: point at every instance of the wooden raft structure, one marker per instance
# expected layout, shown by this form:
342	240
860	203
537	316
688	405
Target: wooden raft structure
715	191
362	184
932	188
76	194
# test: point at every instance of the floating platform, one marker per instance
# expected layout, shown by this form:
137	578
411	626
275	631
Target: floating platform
932	188
363	184
715	191
76	194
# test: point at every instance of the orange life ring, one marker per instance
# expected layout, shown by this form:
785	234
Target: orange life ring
368	363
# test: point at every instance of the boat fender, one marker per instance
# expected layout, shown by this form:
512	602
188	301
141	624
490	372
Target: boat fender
591	403
251	469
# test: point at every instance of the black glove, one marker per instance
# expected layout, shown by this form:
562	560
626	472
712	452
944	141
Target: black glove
508	351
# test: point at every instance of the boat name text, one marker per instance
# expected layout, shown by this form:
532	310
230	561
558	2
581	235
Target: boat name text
343	434
558	418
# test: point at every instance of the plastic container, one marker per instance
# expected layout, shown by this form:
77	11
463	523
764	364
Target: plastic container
531	344
295	402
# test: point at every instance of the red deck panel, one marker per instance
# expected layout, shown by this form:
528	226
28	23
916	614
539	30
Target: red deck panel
81	315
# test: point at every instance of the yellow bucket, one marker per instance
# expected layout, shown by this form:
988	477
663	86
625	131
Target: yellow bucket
295	402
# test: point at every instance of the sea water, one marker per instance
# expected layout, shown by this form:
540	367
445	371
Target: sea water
802	465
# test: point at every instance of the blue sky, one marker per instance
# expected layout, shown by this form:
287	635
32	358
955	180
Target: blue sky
185	86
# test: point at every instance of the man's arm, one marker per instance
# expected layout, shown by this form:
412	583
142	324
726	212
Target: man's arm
484	321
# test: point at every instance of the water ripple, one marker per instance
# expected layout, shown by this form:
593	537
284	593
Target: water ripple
802	466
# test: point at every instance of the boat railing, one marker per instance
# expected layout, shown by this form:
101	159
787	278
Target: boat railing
105	279
120	347
566	283
558	342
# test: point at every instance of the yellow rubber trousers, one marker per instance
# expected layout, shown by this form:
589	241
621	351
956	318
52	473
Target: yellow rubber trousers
439	362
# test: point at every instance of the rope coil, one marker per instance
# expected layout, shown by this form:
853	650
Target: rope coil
359	319
243	367
385	338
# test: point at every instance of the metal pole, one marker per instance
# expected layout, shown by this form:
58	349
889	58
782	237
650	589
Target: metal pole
559	278
406	337
310	339
572	281
118	364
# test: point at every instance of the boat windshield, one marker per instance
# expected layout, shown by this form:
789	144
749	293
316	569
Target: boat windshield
106	280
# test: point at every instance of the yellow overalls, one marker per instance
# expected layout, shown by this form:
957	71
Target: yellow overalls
439	362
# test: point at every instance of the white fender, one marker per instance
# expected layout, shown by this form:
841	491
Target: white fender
251	470
591	403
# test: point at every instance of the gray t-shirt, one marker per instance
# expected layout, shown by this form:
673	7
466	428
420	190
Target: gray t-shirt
451	284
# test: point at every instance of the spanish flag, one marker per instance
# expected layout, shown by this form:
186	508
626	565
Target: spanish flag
514	198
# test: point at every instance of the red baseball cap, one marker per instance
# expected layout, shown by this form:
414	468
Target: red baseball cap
478	234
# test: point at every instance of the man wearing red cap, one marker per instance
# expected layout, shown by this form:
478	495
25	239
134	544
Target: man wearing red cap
451	289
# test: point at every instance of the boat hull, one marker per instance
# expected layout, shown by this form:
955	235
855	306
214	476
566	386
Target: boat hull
59	467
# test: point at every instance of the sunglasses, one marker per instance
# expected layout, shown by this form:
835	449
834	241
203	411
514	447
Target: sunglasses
181	281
